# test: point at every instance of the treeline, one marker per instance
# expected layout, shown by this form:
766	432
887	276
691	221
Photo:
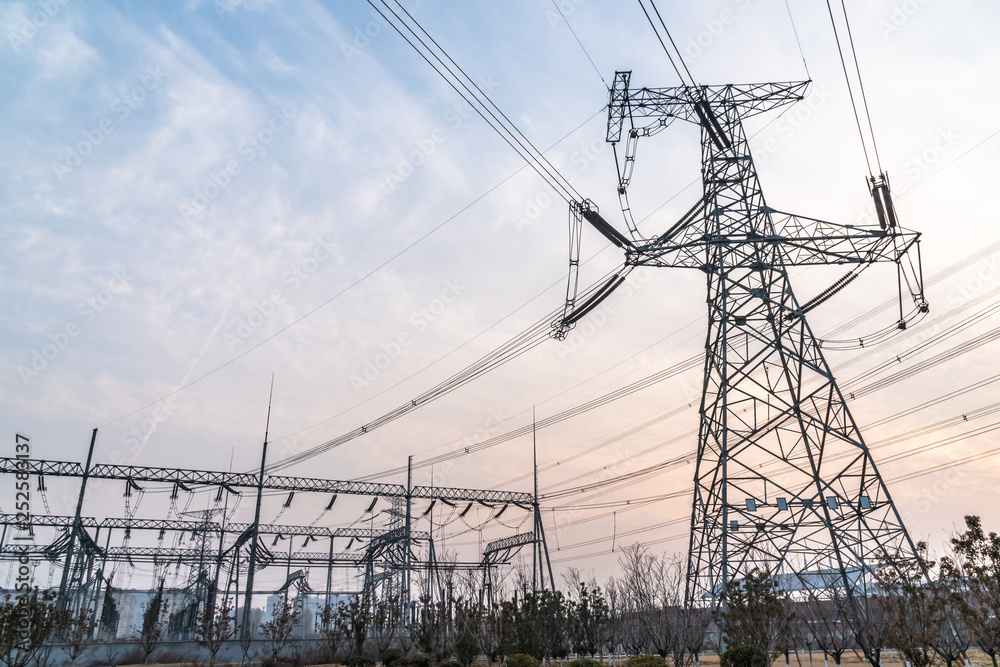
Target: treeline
925	610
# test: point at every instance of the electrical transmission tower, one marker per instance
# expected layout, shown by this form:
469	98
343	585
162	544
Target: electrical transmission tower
784	481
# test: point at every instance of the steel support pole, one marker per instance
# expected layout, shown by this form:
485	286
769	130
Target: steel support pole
62	602
245	632
406	538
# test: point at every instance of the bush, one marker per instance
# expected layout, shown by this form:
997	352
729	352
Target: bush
450	663
587	662
360	661
523	660
646	661
744	656
391	655
419	660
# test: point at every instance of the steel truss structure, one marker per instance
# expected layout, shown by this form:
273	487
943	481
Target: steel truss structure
219	557
784	480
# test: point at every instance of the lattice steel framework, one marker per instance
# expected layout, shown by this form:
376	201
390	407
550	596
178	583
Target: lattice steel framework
784	480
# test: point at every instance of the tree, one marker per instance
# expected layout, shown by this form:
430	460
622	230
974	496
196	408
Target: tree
828	627
331	628
278	631
869	621
77	632
215	626
489	631
590	620
908	599
755	614
154	617
385	621
26	623
976	565
433	631
467	647
354	618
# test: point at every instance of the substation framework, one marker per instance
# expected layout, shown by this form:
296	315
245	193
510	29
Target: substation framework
221	561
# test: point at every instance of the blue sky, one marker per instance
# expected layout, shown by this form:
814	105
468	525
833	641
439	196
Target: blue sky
182	181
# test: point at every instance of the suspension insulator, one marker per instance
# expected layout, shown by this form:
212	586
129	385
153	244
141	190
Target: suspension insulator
605	228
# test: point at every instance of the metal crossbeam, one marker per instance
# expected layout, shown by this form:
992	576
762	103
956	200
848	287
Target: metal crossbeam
512	542
524	500
247	480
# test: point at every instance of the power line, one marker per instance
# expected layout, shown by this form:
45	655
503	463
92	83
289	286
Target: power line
577	38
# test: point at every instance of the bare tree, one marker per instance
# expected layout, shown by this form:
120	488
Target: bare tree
278	631
869	621
489	631
154	618
77	632
385	622
907	601
829	628
332	629
215	627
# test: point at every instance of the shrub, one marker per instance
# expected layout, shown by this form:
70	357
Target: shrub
419	660
646	661
391	655
523	660
360	661
744	656
450	663
587	662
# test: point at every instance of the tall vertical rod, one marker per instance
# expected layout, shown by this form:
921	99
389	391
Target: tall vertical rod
62	602
248	595
406	536
536	572
329	573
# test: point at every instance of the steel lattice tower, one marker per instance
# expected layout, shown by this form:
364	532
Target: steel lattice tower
784	481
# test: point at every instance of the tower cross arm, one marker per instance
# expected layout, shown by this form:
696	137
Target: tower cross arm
808	241
800	240
746	100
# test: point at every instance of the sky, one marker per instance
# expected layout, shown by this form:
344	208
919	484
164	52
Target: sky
198	196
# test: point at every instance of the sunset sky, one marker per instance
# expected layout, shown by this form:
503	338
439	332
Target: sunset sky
197	195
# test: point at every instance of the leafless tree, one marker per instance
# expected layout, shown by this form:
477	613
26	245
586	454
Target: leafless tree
828	627
215	627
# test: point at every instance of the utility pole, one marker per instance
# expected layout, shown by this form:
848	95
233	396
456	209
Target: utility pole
76	528
536	560
245	631
407	565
